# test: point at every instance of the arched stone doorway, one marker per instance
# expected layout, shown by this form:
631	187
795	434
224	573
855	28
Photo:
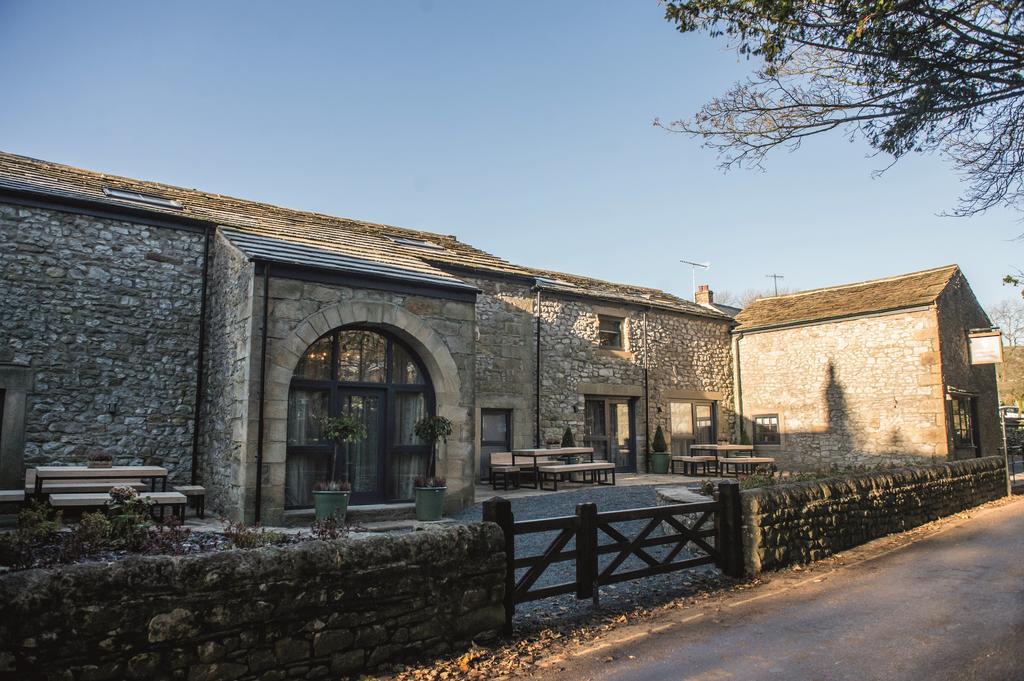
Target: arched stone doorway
377	378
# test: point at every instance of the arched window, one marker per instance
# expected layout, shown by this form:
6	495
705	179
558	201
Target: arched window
375	377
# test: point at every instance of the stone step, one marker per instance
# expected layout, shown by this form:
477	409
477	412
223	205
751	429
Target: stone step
369	513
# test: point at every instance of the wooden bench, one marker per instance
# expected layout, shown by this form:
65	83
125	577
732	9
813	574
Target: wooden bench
162	500
503	475
599	472
743	464
196	495
689	464
12	496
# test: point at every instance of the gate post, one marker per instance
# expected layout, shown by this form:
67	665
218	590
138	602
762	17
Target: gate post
729	541
586	551
499	511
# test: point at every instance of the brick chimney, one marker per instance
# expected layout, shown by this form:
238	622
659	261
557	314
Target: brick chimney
704	295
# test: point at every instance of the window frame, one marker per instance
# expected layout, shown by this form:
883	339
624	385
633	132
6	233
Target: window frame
388	391
621	321
962	420
757	439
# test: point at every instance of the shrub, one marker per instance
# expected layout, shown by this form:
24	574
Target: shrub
243	536
129	518
327	529
659	445
93	530
333	486
167	539
39	522
429	481
567	439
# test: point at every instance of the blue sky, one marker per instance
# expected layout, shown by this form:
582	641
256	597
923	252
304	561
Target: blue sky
523	128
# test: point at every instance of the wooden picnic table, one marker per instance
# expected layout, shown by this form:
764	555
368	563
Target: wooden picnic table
151	473
534	454
725	449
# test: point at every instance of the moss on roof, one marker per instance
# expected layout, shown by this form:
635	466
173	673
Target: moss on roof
866	297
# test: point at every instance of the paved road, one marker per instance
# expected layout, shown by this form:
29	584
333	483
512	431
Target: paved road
950	606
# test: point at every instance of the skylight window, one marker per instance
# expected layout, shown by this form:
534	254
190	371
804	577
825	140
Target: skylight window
547	281
138	197
416	243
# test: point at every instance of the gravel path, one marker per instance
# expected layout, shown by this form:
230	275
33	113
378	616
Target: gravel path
625	596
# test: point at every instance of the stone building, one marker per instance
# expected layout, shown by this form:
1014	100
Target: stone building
866	373
210	335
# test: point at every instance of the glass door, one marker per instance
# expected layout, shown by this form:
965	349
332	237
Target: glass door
359	462
495	436
609	428
621	435
691	423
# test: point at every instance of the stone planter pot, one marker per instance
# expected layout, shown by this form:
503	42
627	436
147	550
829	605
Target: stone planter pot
430	502
659	462
328	503
99	464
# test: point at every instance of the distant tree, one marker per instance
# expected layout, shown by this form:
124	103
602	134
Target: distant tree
747	296
1008	315
931	75
1011	376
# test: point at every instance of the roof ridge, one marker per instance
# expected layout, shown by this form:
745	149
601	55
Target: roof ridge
867	282
229	197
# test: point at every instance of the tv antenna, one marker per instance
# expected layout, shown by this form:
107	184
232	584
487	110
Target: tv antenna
693	273
776	278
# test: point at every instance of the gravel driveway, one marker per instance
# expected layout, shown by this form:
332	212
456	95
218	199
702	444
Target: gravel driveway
625	596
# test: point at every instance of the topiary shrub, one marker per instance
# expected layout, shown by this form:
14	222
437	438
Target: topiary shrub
659	445
567	439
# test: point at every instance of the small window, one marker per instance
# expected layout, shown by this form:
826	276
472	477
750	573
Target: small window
139	197
963	432
766	430
609	332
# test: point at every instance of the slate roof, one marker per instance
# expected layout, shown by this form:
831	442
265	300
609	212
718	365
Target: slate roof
346	244
879	295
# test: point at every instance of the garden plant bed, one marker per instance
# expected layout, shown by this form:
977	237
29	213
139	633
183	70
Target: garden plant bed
41	540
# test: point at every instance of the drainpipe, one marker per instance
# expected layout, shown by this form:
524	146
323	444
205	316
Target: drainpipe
737	389
647	392
263	391
200	355
536	432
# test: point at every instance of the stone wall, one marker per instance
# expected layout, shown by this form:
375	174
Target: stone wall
806	521
857	391
106	313
228	359
959	312
690	357
311	611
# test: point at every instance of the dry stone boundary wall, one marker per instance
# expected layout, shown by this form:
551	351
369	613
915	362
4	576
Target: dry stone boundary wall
807	521
309	611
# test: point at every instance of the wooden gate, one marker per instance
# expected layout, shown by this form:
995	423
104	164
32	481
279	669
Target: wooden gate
710	528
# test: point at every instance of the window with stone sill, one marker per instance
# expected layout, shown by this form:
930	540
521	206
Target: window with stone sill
766	430
609	332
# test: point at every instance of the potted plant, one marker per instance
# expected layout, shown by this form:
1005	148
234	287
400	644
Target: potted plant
551	442
99	460
569	441
659	452
330	499
338	430
430	489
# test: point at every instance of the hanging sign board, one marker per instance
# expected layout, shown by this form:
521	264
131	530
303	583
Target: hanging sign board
986	347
